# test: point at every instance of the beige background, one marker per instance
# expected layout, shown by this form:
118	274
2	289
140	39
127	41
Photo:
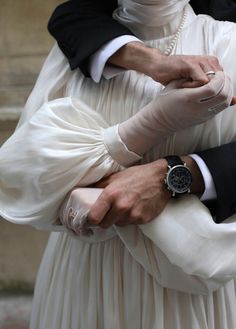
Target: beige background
24	44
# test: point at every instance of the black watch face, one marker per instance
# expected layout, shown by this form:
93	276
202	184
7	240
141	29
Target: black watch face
179	179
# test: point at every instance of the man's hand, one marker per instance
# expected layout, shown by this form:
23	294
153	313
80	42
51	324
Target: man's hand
138	194
191	68
133	196
137	56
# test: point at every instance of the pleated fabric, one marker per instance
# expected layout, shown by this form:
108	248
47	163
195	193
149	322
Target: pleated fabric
176	272
83	285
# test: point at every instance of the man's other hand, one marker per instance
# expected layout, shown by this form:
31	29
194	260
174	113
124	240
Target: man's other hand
138	194
150	61
133	196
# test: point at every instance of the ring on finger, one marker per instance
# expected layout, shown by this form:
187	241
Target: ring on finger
210	73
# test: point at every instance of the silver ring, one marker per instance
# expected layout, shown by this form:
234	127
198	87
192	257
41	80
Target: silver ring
210	73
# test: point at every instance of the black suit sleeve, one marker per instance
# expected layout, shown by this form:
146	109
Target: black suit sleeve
221	162
219	9
82	26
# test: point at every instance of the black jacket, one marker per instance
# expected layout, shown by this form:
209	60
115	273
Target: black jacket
83	26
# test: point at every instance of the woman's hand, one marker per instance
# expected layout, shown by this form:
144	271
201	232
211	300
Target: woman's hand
175	109
73	211
180	108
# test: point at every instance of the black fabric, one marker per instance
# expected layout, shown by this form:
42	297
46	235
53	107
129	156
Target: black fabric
221	162
83	26
224	10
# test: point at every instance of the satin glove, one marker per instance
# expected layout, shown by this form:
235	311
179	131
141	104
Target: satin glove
175	109
74	209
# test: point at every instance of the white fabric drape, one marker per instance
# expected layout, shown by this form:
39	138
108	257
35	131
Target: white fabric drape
119	282
148	20
152	13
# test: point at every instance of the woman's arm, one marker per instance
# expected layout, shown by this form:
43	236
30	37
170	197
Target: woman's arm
66	144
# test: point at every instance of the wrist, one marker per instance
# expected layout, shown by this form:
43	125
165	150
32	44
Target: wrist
139	57
182	175
159	171
198	185
117	148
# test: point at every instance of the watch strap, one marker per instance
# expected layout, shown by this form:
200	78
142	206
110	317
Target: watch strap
174	160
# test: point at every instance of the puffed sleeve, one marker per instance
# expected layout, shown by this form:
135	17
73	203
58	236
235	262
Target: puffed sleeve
186	233
64	144
183	248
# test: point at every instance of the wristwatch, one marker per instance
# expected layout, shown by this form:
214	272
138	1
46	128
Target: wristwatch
179	177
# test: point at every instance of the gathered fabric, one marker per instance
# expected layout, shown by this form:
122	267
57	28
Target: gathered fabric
149	20
175	272
149	13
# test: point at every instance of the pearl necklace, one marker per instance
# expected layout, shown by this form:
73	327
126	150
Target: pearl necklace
168	51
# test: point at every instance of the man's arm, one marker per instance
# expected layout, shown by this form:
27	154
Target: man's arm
150	61
83	26
138	194
219	9
221	161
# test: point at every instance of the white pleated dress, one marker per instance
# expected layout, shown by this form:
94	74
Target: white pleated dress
176	272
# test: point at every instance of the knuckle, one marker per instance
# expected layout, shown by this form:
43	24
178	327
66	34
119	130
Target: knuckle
215	59
123	207
110	194
191	65
137	217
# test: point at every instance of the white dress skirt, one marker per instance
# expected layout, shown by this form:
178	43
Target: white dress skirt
176	272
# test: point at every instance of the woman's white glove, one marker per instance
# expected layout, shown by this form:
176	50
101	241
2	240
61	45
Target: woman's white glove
175	109
74	209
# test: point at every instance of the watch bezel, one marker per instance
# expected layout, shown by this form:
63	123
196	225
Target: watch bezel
171	186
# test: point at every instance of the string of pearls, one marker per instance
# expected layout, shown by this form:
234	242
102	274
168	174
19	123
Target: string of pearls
168	51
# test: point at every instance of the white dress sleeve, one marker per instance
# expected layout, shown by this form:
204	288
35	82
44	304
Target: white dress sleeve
198	246
183	248
66	144
63	145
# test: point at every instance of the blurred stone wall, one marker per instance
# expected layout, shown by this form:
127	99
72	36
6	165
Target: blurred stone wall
24	44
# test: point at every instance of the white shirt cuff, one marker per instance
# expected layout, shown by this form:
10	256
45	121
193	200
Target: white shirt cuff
97	64
117	148
210	190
